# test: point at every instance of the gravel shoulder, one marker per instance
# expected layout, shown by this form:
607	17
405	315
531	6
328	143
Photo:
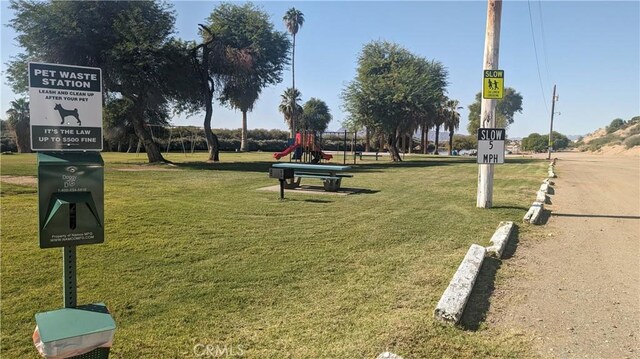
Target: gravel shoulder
576	292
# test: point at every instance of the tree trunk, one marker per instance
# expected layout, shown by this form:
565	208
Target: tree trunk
293	85
392	141
206	85
243	136
410	141
153	152
426	139
450	142
423	141
212	139
367	140
23	136
437	138
132	143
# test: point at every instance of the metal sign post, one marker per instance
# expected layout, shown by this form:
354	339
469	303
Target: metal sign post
66	115
66	130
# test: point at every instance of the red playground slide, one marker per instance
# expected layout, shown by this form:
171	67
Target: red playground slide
288	150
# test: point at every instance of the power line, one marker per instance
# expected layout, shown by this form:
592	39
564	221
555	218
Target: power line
544	42
535	49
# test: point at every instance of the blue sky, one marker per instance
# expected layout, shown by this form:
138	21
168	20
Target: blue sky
591	50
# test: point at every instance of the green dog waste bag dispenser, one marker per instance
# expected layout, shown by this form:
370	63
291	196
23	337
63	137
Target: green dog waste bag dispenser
71	213
71	199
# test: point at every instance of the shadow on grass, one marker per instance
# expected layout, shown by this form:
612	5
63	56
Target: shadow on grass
263	166
520	208
316	201
523	160
373	167
256	166
478	305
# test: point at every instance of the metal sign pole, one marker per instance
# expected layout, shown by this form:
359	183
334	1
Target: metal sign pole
69	276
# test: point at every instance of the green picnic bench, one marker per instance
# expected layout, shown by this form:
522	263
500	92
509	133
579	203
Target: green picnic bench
331	176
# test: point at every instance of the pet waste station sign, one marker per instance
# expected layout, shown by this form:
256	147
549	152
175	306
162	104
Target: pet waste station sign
491	145
65	107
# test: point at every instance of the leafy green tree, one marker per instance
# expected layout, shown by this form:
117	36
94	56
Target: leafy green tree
241	93
452	122
315	116
293	20
213	64
18	119
131	41
506	109
464	142
560	141
393	88
535	142
615	125
118	127
290	107
248	27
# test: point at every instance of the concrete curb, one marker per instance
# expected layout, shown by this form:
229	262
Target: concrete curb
551	173
454	299
388	355
544	187
500	239
541	197
533	214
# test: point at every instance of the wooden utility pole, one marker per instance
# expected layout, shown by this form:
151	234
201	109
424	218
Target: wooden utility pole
488	106
553	108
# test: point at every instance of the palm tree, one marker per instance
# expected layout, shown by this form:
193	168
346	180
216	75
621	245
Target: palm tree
452	122
290	107
441	114
18	118
293	20
241	92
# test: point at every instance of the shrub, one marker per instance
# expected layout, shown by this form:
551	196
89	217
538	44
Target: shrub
610	139
615	125
632	141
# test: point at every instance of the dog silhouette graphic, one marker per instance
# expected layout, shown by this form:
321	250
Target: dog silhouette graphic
65	113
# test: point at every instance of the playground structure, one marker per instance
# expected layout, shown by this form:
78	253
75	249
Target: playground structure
305	148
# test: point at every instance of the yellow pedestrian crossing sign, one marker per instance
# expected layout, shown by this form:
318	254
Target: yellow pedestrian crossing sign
493	84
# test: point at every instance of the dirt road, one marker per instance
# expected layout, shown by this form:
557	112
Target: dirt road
578	289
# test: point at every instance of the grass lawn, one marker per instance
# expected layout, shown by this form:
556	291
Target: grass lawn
194	254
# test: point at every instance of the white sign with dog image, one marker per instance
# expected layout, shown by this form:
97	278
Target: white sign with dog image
65	107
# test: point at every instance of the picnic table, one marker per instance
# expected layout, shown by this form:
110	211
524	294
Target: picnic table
330	175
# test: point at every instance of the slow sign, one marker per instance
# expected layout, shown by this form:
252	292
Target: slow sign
491	145
493	84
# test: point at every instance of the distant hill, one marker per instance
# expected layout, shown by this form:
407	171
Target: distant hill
624	139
